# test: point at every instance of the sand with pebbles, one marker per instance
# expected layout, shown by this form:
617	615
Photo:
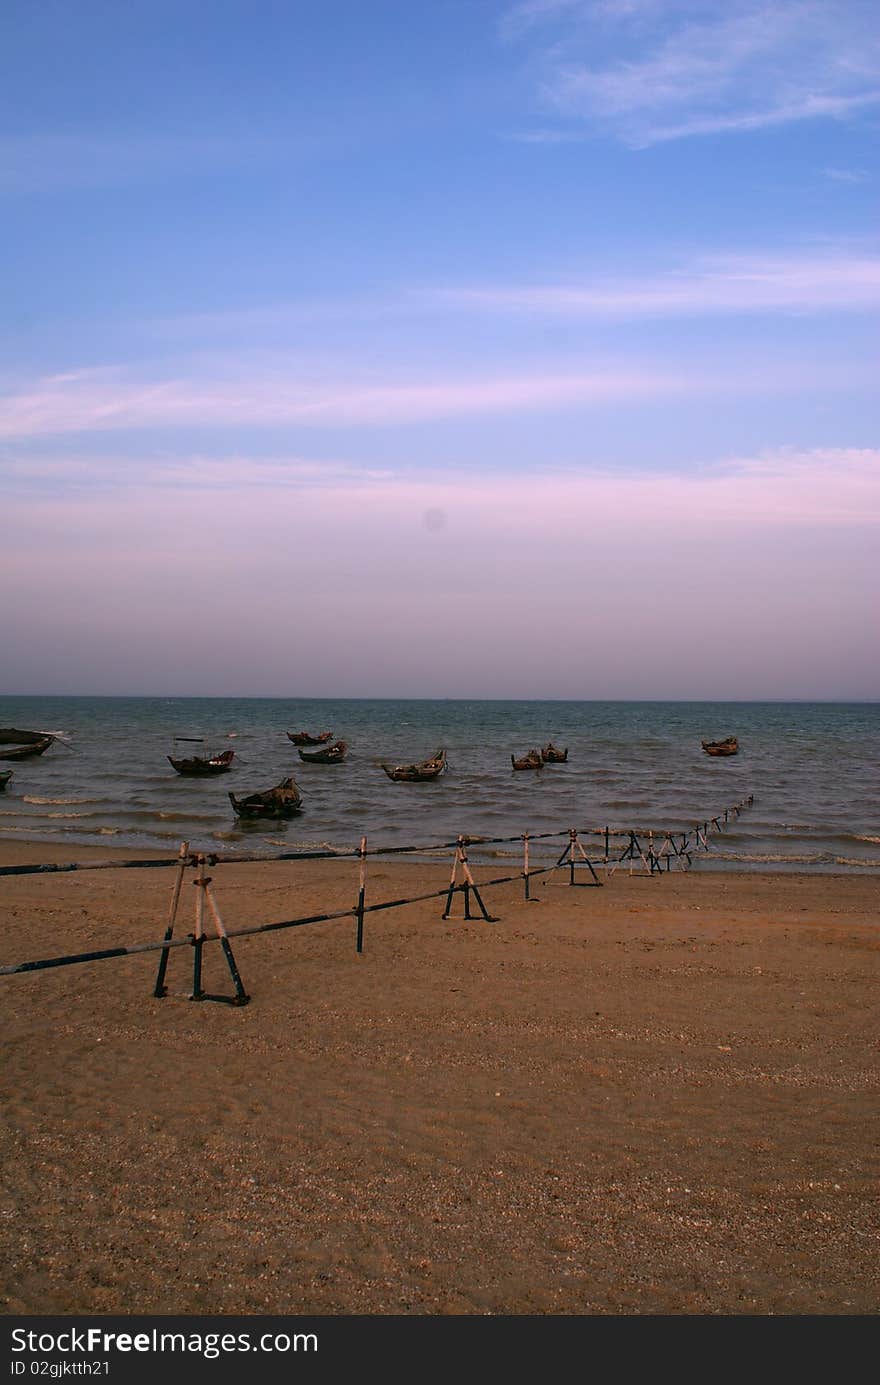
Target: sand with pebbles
659	1096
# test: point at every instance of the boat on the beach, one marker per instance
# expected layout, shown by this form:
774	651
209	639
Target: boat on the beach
729	746
306	738
532	759
5	776
551	755
282	801
423	769
327	755
200	765
22	744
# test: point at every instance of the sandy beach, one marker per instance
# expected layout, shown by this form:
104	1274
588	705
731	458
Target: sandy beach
659	1096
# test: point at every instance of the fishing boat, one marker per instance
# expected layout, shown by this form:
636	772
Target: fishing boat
5	776
327	755
282	801
531	760
22	744
306	738
424	769
729	746
551	755
200	765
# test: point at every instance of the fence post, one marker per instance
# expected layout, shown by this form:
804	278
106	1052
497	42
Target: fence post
160	989
198	935
361	893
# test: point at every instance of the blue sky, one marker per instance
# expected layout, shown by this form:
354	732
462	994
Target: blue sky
462	348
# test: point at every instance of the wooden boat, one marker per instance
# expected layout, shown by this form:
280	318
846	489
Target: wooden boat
282	801
328	755
10	735
305	738
200	765
425	769
23	744
552	756
730	746
531	760
5	776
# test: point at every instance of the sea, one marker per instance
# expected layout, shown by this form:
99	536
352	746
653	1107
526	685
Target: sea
811	771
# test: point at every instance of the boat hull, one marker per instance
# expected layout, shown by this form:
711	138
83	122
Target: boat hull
28	751
721	748
274	811
282	801
330	755
199	767
418	773
533	760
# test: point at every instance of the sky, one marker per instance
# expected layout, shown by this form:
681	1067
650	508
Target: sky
440	348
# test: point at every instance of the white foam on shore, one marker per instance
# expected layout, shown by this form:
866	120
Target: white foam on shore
34	798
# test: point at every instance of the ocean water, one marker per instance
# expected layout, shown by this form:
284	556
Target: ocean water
812	768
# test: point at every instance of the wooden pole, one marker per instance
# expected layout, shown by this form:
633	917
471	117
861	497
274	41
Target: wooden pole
447	912
574	841
241	996
471	884
467	887
198	935
362	889
526	865
160	988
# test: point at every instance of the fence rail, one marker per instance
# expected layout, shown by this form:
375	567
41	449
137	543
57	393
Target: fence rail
676	847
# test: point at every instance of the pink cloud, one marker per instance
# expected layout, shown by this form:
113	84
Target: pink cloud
739	284
98	401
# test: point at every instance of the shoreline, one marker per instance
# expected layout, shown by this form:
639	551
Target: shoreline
653	1097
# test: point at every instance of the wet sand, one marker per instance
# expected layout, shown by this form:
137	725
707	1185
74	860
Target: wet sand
659	1096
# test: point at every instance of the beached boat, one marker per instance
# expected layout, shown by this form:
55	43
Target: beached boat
20	745
327	755
531	760
424	769
306	738
282	801
729	746
553	756
200	765
5	776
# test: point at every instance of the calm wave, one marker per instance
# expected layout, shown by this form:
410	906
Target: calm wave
812	768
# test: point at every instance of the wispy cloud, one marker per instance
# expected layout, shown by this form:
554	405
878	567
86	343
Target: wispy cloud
233	388
816	487
652	72
61	162
529	14
731	285
96	401
116	473
806	107
847	175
